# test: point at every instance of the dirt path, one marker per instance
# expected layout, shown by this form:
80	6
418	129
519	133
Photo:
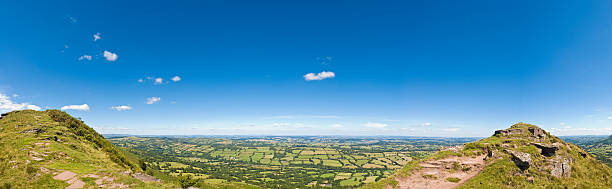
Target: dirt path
434	173
70	178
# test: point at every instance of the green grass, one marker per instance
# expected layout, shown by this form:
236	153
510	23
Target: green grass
453	179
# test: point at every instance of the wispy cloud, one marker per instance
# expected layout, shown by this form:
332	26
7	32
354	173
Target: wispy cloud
304	117
71	19
96	37
581	131
427	124
319	76
110	56
453	129
7	105
82	107
121	108
153	100
85	57
375	125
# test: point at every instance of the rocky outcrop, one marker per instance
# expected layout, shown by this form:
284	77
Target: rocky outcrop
538	133
521	159
560	167
548	150
508	132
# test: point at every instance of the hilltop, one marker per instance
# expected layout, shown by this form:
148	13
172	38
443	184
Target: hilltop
522	156
51	149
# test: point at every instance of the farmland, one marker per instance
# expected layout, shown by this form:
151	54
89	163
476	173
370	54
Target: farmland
282	162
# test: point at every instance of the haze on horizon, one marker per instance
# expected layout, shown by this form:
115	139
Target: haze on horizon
401	68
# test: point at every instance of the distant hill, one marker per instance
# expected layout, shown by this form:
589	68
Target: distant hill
607	141
51	149
522	156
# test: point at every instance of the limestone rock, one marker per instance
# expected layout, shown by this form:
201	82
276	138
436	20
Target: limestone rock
508	132
560	167
548	150
521	159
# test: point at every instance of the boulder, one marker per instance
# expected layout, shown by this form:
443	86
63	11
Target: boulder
560	167
521	159
548	150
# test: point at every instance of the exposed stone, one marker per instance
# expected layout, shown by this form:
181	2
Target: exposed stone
145	178
35	130
508	132
521	159
548	150
583	154
560	167
538	133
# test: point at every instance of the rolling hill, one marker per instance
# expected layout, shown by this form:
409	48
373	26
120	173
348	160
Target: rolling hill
51	149
522	156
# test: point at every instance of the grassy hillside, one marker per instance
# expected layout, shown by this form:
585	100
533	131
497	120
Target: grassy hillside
523	156
40	145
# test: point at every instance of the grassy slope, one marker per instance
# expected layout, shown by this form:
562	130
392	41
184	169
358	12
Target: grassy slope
78	148
503	173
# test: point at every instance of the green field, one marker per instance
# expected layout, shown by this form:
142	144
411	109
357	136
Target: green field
282	162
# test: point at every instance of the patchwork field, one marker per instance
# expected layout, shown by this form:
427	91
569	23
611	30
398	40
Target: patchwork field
283	162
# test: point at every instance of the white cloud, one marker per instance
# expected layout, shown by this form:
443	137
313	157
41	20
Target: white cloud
96	36
15	95
176	78
610	117
7	105
153	100
121	108
319	76
375	125
85	57
581	131
565	125
140	80
455	129
426	124
158	81
83	107
110	56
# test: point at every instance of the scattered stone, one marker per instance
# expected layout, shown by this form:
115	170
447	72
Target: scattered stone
45	170
64	175
145	178
521	159
75	183
35	130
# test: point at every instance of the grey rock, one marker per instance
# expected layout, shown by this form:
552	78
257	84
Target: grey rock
521	159
560	167
548	150
508	132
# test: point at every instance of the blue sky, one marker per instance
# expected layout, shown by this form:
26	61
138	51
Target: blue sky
419	68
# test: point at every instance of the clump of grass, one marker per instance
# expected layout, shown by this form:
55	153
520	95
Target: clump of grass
453	179
434	177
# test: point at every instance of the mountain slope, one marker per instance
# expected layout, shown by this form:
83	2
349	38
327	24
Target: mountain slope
602	150
522	156
51	149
